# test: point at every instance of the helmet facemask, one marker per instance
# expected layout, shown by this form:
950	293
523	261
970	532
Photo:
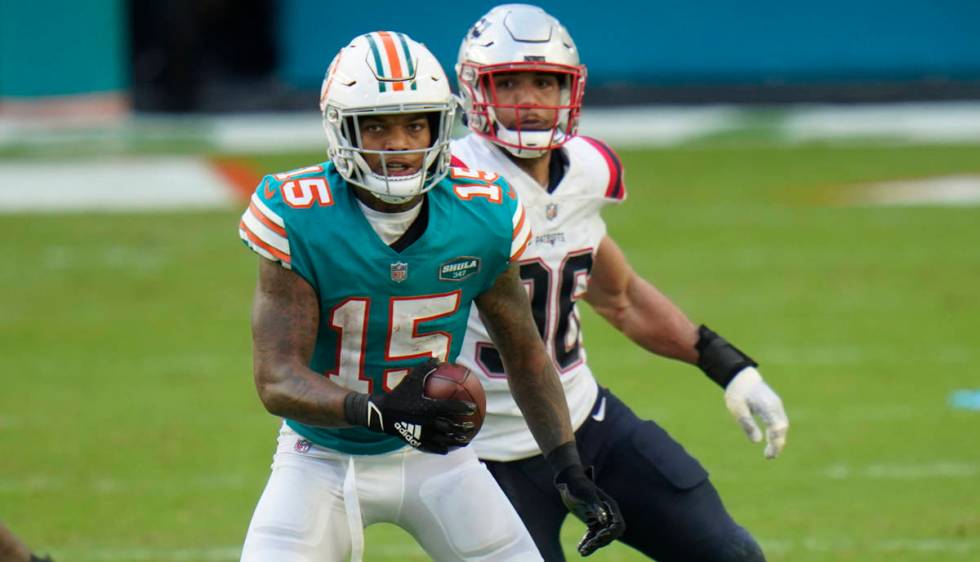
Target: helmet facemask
345	150
483	106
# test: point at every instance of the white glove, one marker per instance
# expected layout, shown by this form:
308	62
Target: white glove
747	395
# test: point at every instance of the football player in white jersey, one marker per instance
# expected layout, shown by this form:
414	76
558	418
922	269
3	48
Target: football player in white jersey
521	82
351	307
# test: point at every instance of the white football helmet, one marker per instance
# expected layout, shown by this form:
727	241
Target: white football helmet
381	73
519	38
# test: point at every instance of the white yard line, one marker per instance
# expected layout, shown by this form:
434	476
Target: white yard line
911	122
110	486
647	125
658	126
112	184
903	471
667	125
841	355
957	190
144	183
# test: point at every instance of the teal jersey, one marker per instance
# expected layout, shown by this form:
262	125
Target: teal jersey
384	311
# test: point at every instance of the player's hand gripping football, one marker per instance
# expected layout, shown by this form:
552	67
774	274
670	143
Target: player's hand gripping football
406	413
747	395
595	508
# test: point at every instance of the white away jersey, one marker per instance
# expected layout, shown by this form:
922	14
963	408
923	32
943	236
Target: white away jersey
555	269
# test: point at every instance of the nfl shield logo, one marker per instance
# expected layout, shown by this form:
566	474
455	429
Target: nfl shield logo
551	211
302	446
399	271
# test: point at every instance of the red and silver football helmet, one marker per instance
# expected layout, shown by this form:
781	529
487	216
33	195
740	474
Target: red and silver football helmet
519	38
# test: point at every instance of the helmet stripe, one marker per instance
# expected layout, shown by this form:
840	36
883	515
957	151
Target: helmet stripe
377	61
408	59
392	55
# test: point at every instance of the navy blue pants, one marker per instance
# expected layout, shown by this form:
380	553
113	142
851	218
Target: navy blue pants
673	513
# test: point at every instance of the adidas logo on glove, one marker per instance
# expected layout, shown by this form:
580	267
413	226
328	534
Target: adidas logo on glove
411	432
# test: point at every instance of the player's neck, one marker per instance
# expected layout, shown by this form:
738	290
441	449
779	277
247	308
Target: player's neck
373	202
537	168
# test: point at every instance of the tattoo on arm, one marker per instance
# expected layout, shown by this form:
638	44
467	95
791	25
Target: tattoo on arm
285	316
533	381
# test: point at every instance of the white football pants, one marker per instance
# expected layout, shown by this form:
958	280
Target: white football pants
318	501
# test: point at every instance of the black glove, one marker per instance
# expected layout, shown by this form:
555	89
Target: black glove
406	413
585	500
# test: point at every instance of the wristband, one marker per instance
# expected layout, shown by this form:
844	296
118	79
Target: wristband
564	456
355	408
720	360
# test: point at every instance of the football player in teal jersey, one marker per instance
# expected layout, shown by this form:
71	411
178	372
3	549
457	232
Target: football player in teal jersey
370	264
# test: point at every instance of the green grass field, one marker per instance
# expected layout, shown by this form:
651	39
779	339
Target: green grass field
130	429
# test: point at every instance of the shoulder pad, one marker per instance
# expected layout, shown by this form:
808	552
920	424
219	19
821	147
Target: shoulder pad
263	228
298	189
460	174
468	184
615	187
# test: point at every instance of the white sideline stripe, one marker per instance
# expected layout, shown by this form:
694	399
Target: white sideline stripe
113	184
959	190
634	126
916	122
222	553
657	126
654	126
273	132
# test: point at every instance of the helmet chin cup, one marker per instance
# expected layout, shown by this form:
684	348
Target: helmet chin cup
395	189
525	144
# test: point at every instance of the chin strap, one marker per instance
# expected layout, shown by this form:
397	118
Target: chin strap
391	199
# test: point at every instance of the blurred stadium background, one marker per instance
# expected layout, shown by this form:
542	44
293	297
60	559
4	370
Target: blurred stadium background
804	177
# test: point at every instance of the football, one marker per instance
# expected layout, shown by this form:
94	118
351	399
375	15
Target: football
449	381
